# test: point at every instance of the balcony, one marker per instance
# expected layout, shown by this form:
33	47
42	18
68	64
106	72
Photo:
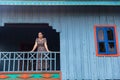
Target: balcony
35	63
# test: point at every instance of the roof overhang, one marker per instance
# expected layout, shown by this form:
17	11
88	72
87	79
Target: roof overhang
62	2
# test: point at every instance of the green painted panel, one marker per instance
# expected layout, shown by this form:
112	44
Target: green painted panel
55	76
36	76
13	75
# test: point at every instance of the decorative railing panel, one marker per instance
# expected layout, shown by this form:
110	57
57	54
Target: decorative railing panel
29	61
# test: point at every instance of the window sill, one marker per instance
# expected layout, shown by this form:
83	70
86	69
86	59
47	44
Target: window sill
108	55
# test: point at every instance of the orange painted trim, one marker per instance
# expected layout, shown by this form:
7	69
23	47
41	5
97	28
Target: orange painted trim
96	44
60	75
47	75
24	76
3	77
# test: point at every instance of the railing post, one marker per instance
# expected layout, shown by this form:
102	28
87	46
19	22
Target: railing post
55	62
18	65
45	62
32	64
37	61
23	62
50	61
14	62
4	64
9	62
28	61
41	62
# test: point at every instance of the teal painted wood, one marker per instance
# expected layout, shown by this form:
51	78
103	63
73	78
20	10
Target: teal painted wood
62	2
77	47
59	0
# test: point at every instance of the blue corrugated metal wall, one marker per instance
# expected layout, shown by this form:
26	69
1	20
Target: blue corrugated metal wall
75	24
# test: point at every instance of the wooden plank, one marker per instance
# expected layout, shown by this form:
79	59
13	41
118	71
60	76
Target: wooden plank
61	3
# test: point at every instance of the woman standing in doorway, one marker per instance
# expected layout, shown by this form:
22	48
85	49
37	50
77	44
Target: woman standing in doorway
41	45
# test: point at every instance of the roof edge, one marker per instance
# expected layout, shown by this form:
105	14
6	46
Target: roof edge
60	3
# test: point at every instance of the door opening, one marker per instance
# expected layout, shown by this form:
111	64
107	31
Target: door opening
21	37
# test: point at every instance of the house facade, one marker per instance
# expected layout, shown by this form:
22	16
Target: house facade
89	36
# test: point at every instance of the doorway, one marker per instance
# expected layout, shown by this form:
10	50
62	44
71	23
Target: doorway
21	37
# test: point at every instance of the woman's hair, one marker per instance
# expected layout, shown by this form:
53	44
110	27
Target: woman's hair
40	33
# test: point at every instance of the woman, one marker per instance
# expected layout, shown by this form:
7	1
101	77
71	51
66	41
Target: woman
41	45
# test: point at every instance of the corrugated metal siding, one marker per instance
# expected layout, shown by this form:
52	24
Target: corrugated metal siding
78	56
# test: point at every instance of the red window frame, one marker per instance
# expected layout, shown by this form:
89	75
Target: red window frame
96	44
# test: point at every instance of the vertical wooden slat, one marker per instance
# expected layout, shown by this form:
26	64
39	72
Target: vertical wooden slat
9	62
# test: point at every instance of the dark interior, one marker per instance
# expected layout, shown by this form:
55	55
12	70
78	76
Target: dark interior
21	37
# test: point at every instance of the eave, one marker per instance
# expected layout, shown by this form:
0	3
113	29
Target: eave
62	3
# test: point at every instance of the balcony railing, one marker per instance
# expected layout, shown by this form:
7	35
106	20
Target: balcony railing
29	61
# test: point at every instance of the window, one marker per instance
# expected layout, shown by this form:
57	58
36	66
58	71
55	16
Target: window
106	40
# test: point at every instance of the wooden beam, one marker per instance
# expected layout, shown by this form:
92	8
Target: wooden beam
62	3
